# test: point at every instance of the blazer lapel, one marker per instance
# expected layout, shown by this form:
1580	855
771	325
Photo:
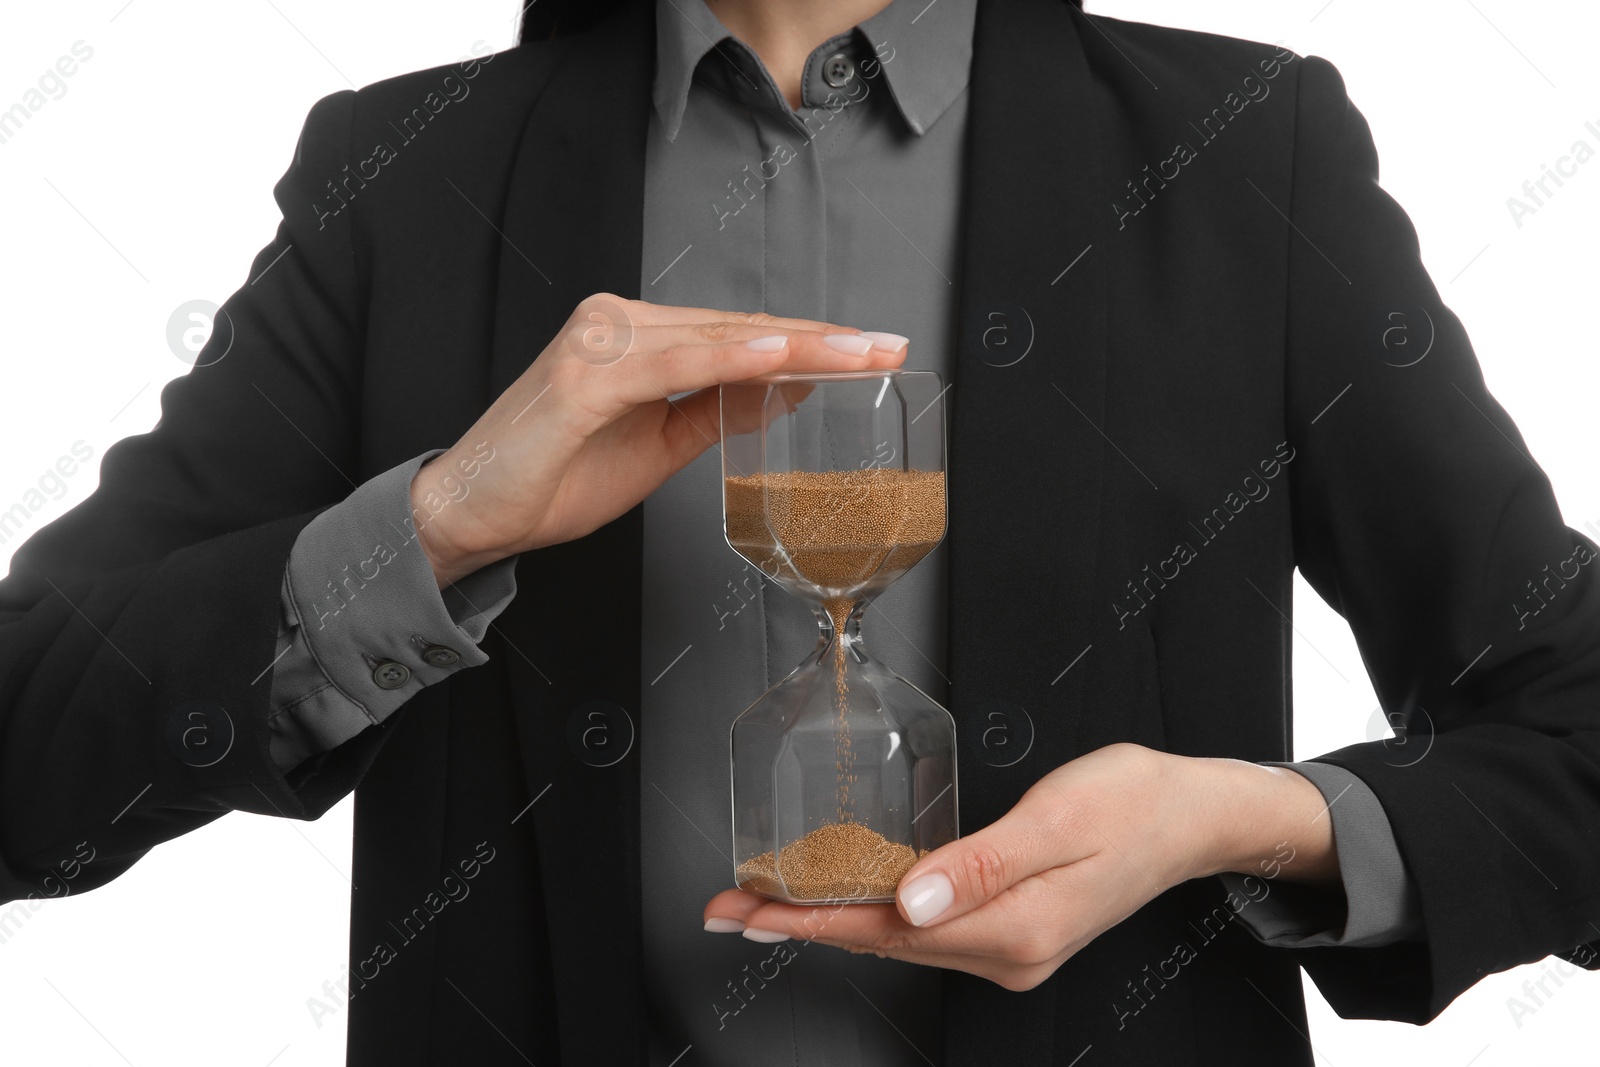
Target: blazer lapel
573	227
1026	446
1025	425
573	221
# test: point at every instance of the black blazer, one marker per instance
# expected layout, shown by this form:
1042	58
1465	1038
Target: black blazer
1241	321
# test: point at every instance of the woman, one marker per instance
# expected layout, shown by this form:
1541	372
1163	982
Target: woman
452	320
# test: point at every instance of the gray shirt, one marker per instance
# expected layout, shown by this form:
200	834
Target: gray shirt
846	210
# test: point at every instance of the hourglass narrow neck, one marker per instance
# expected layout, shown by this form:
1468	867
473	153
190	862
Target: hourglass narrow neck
828	630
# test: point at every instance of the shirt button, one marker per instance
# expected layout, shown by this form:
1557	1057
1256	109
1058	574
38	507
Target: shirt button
440	656
837	70
391	675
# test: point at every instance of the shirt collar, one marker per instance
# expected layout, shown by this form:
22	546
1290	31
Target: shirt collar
924	52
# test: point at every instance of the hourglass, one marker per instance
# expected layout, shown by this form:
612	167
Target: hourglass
844	773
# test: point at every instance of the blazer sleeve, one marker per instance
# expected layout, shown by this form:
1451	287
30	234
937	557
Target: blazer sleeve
1420	516
137	631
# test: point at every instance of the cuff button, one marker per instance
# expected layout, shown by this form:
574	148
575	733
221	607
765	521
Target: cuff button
391	675
440	656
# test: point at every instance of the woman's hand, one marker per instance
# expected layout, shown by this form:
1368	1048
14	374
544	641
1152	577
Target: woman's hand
587	431
1084	848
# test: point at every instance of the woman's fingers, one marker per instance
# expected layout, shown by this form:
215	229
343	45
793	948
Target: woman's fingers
691	427
588	426
644	313
684	363
1016	940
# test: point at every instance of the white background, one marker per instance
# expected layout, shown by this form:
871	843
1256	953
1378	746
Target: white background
148	184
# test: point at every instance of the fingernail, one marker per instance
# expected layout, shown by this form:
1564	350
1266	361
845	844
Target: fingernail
854	344
889	342
926	898
767	344
718	925
766	937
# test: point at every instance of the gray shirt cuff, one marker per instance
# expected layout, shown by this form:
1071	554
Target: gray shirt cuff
364	623
1379	905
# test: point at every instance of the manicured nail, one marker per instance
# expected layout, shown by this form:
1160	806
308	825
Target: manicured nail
889	342
718	925
853	344
768	344
926	898
766	937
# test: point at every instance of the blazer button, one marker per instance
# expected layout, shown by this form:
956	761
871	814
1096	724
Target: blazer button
391	675
837	70
440	656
